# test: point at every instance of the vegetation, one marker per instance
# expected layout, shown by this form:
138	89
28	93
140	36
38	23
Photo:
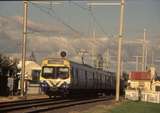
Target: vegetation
8	64
8	69
126	107
136	107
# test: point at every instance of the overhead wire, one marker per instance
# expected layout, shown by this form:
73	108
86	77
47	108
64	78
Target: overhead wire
69	26
92	15
51	12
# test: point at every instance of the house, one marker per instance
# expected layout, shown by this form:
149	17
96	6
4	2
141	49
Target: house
32	70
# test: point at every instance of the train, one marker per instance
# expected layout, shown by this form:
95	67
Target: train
60	76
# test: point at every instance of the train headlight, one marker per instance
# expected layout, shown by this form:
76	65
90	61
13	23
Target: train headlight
44	84
65	85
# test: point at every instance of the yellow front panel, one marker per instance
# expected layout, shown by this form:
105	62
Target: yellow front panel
60	63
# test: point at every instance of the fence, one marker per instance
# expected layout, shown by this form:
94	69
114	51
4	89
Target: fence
146	96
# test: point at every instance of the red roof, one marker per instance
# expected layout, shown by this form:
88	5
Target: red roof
139	76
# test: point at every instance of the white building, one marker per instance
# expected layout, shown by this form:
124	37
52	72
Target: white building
32	70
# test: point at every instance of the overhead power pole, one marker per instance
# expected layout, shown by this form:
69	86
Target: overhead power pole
144	50
121	30
137	62
106	59
24	46
152	57
146	56
93	35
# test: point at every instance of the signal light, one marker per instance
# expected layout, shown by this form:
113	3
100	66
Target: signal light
63	54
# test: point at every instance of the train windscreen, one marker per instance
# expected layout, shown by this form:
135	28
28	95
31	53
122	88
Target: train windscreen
55	72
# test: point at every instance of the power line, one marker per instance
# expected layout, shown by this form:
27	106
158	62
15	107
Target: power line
49	10
94	18
92	15
54	12
54	15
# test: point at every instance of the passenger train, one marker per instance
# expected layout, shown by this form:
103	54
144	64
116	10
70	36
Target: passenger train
60	76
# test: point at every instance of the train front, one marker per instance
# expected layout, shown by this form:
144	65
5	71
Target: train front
55	77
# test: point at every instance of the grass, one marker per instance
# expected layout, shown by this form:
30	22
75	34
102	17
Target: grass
126	107
136	107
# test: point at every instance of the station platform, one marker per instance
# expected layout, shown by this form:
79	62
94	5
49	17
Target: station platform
17	98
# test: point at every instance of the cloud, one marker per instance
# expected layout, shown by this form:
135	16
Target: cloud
44	44
48	43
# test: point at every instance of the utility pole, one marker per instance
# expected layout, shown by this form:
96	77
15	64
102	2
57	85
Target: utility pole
143	50
82	52
106	59
122	66
146	55
24	46
121	30
93	36
152	57
137	62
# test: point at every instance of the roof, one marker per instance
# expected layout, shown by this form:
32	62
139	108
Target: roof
32	64
139	76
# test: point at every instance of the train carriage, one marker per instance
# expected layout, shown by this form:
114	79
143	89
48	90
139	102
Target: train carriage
60	76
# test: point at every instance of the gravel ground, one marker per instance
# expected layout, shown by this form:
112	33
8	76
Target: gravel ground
15	98
85	108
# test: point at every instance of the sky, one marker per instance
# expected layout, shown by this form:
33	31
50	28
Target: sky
139	14
55	25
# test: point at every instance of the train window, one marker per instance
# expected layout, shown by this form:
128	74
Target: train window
49	72
63	72
35	75
157	88
55	72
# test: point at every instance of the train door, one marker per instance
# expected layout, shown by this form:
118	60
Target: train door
103	81
99	80
76	77
72	77
101	87
94	81
107	82
81	78
86	79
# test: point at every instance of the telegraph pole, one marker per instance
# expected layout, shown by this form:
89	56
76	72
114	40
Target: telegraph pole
152	57
93	35
24	46
121	29
146	55
143	50
137	62
82	52
106	59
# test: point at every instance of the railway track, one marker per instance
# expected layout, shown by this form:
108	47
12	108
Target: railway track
18	102
43	105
